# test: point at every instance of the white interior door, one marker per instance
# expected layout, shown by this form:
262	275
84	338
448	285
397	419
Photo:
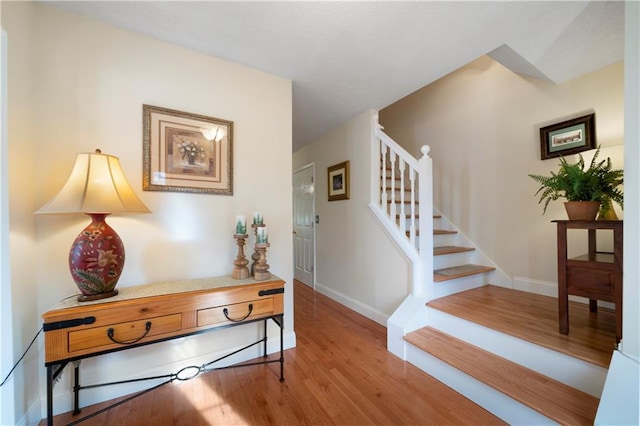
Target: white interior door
303	225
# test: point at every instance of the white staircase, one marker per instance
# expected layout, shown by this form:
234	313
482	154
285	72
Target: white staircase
445	262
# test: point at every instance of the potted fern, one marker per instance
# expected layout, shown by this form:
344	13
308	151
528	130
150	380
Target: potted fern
598	185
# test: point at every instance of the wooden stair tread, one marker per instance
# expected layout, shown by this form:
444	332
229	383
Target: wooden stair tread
460	271
438	251
553	399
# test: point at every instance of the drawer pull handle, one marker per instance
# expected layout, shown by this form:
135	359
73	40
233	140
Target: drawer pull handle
111	331
226	314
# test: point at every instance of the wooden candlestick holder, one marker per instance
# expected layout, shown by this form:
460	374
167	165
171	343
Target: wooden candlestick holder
255	256
240	270
261	270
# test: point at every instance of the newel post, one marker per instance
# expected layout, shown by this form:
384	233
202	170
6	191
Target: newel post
424	287
375	161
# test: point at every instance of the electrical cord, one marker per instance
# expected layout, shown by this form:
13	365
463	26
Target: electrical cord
23	355
30	344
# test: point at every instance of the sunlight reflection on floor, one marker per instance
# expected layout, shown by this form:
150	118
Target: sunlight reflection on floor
211	406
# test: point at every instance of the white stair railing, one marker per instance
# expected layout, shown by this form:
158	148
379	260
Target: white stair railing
401	195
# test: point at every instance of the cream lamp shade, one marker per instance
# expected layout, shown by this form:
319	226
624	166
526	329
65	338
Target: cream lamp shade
97	186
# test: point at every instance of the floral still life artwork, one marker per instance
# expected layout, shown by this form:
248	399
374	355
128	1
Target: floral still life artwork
191	151
185	152
190	154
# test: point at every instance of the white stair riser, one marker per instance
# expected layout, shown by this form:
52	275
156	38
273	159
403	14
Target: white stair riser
447	240
452	259
446	288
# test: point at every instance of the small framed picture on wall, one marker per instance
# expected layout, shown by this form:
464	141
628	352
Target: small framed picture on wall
338	181
568	137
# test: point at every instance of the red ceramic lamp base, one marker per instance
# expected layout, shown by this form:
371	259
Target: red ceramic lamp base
96	260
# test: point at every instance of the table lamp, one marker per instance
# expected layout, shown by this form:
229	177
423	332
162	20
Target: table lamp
97	187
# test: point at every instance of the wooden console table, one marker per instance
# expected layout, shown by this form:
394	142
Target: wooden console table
153	313
594	275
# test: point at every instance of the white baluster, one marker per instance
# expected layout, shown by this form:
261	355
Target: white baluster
375	190
383	181
403	215
412	223
392	207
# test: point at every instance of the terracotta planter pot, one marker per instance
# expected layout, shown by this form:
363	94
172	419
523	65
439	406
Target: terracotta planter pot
582	210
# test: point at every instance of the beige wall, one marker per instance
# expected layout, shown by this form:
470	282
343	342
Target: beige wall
85	84
482	125
19	234
357	262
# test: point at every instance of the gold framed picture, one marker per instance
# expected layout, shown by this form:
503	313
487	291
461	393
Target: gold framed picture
338	181
184	152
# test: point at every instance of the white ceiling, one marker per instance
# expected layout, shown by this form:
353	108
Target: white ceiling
347	57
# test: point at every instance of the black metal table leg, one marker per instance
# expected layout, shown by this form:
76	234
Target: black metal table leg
53	374
282	349
50	395
264	352
281	324
76	387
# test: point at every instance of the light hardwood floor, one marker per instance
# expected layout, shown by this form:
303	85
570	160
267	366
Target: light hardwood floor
340	373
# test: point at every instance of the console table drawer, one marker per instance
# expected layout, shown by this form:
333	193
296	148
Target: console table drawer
123	334
237	312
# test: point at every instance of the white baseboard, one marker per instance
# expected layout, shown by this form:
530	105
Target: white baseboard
353	304
544	288
548	288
